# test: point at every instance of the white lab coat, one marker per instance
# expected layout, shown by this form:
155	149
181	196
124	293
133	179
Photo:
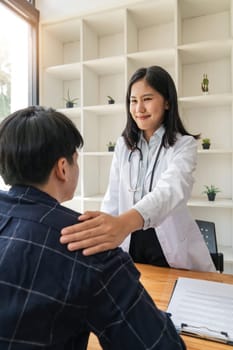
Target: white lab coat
165	207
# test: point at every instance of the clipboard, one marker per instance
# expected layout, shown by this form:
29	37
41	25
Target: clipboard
203	309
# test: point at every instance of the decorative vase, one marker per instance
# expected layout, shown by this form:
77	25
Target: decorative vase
211	196
110	100
206	145
69	104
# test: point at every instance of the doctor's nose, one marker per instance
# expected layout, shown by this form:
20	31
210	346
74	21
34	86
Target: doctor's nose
140	107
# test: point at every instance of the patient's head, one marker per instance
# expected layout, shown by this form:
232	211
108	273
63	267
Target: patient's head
34	140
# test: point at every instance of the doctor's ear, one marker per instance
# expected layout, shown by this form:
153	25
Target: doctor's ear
166	105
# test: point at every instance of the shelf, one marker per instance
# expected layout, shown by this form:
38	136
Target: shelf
106	109
212	50
108	65
94	198
107	123
228	253
147	15
74	112
106	23
103	35
206	100
64	31
218	83
98	154
198	8
151	26
69	71
95	54
214	151
218	203
75	203
163	57
105	77
198	19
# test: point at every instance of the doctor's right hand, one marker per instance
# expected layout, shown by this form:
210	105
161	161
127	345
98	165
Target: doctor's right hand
98	231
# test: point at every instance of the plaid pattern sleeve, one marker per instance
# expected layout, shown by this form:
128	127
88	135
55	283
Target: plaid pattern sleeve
123	315
51	299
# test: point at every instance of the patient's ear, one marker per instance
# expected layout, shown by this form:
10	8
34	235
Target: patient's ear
61	169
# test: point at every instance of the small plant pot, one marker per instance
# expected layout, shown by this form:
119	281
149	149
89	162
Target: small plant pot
111	102
69	104
206	145
111	148
211	196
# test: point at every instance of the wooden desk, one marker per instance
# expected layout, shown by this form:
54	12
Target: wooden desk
159	282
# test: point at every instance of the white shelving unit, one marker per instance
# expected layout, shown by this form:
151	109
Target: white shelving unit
95	54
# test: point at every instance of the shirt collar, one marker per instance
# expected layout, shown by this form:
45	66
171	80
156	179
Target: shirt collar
157	135
31	192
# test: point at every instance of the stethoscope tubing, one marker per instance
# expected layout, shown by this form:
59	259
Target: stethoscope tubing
131	189
154	166
140	160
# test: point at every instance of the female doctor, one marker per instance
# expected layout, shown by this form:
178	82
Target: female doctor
145	205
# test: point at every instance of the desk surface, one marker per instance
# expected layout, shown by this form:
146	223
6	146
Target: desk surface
159	282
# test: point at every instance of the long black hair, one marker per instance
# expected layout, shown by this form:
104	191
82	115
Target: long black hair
160	80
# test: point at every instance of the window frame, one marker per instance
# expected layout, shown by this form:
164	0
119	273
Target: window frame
30	14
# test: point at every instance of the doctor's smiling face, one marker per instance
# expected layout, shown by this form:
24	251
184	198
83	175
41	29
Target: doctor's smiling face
147	107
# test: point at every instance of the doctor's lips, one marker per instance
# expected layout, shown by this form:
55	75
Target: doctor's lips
142	117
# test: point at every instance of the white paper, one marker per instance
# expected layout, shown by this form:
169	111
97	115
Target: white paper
204	307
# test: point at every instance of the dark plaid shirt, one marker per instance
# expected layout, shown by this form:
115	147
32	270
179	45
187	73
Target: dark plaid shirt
51	298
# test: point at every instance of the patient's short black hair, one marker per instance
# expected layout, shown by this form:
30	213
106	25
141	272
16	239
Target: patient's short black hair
32	140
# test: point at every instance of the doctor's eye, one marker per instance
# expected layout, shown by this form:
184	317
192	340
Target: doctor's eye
133	101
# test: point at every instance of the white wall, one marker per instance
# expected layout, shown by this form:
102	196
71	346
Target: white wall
59	9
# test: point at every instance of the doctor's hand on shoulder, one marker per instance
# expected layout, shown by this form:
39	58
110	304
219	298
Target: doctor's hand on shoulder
97	231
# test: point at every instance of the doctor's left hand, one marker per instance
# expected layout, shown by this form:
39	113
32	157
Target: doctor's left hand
98	231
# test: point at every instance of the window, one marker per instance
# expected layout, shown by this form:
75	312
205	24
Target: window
18	55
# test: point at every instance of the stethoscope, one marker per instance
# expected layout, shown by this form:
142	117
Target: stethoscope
136	148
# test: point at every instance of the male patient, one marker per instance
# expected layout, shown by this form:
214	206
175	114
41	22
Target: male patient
51	298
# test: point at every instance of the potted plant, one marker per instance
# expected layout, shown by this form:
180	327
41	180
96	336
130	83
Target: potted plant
206	143
70	102
110	100
211	192
205	84
111	146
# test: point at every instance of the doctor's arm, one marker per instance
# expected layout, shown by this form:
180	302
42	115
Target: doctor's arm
98	231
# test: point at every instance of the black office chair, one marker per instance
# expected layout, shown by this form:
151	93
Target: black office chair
207	229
